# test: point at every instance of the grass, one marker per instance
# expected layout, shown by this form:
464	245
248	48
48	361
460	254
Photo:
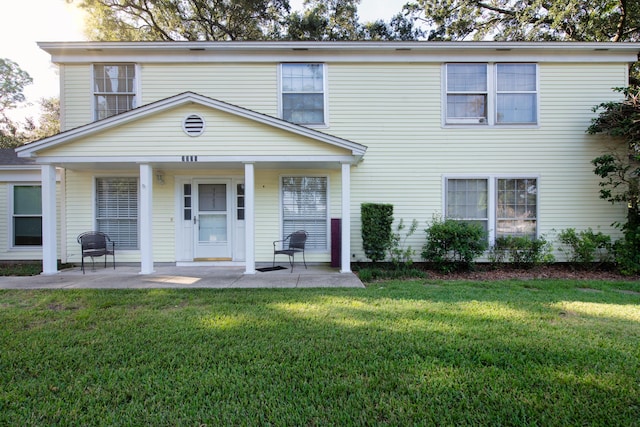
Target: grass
397	353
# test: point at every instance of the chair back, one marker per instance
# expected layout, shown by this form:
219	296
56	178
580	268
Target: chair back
298	240
92	240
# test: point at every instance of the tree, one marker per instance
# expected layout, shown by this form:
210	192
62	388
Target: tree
173	20
529	20
49	122
619	169
221	20
12	82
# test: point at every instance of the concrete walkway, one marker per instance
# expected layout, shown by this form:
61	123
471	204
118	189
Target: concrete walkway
128	277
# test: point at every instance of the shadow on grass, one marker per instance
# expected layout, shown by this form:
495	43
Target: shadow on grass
399	354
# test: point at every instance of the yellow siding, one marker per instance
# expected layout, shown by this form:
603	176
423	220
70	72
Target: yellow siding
76	96
409	151
393	109
225	135
252	86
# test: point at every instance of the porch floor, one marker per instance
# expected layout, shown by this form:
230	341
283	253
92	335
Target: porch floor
167	276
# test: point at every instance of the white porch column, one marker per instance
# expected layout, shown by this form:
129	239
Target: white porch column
345	262
49	220
146	219
249	219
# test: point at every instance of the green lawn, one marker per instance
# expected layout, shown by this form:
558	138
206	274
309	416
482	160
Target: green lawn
397	353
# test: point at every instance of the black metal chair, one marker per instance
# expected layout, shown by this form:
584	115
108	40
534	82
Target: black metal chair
96	244
291	245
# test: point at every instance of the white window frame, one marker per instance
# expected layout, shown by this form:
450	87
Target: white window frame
136	84
492	198
492	96
12	215
327	222
325	97
95	206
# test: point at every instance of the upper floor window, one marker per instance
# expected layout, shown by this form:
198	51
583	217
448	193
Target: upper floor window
303	93
114	89
493	94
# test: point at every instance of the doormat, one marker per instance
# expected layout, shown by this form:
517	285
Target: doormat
276	268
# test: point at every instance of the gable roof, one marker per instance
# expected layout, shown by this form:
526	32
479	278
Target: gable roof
30	150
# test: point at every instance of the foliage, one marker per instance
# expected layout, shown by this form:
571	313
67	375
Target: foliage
619	170
376	229
453	244
529	20
222	20
521	251
540	352
12	83
585	247
400	255
626	250
49	122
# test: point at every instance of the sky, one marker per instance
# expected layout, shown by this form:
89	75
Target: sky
23	23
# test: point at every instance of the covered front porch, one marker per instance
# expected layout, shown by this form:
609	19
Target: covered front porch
242	169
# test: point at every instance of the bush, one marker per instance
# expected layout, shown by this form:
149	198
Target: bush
626	251
585	247
521	251
376	229
401	257
453	244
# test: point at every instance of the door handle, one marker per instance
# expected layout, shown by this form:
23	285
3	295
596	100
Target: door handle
195	219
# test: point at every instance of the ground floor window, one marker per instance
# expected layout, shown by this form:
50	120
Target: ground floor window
504	206
117	210
304	207
27	215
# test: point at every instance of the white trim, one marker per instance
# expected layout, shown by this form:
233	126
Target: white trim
136	83
201	160
49	241
345	254
492	97
328	214
492	194
249	218
146	219
325	96
11	238
370	51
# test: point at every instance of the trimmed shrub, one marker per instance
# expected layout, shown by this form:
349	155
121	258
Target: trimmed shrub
585	248
376	229
453	245
522	251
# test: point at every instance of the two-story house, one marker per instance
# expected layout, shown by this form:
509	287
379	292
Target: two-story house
206	152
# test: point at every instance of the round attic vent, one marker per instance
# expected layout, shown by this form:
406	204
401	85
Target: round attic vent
193	125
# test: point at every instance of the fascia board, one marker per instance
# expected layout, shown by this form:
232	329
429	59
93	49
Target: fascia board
73	52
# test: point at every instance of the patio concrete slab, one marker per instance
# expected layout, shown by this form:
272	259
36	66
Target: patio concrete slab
128	277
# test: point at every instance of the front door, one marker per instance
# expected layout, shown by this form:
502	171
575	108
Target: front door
212	220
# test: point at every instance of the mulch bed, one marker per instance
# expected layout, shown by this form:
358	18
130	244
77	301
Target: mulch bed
553	271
